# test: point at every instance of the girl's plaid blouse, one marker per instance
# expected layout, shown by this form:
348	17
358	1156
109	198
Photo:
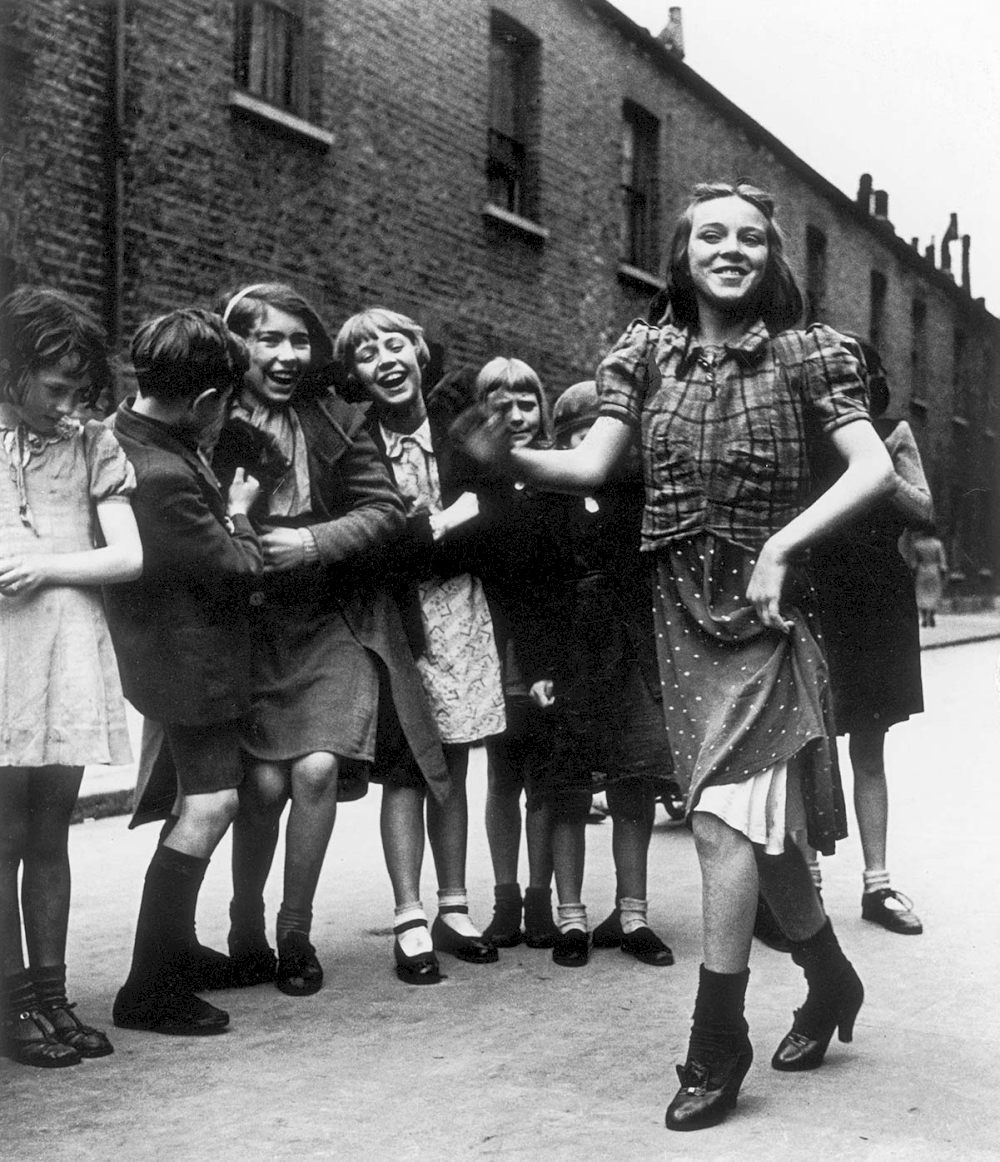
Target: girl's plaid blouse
726	433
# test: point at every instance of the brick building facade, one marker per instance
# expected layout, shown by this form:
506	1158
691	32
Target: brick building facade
508	173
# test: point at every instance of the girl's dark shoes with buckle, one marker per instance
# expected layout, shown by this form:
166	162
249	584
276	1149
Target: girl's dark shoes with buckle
901	919
29	1039
540	929
299	973
805	1045
471	949
642	943
572	948
175	1014
504	930
70	1030
708	1089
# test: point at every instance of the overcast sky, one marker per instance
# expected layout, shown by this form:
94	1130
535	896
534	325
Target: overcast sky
906	90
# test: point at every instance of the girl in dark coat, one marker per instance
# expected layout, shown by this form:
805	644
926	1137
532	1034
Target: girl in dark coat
333	676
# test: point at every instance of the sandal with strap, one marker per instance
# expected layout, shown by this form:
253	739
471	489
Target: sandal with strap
70	1030
43	1050
299	973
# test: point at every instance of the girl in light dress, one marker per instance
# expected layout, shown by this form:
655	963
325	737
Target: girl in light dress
66	527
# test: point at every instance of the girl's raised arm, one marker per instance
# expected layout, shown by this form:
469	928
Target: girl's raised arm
119	560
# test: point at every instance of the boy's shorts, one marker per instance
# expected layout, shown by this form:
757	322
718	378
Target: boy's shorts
206	758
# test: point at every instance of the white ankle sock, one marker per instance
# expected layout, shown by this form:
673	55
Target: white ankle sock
456	901
572	916
875	880
414	940
632	913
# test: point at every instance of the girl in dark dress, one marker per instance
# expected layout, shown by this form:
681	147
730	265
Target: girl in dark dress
729	402
869	613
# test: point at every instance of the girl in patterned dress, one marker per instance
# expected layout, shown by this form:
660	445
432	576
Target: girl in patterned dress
381	355
730	400
67	528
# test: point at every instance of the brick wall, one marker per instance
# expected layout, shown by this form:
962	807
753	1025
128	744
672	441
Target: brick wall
392	211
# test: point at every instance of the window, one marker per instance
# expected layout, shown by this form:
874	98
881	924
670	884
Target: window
640	169
876	325
511	166
815	275
918	349
270	58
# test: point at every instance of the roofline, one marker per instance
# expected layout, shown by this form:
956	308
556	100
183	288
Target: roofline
881	230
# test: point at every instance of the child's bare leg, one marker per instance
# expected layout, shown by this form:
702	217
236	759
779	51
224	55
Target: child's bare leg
448	832
569	844
632	803
503	814
263	795
310	824
14	811
402	827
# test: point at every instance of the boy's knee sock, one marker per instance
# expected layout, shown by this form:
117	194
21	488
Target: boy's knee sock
164	931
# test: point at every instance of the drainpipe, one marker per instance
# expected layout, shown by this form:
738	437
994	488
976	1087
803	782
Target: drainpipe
116	155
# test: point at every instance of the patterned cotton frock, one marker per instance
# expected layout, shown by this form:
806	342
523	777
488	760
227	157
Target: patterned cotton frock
61	701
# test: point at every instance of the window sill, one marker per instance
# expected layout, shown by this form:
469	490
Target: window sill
255	107
629	273
524	225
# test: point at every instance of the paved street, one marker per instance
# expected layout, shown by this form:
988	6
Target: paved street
524	1060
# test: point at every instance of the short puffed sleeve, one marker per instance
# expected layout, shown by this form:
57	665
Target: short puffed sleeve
110	474
832	377
622	376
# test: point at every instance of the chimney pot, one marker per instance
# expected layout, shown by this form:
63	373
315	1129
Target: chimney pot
966	280
864	198
882	205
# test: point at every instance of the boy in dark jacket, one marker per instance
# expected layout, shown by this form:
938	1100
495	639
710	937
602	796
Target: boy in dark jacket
182	637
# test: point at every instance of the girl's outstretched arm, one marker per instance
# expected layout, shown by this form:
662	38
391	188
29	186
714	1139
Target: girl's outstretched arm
483	435
867	478
119	560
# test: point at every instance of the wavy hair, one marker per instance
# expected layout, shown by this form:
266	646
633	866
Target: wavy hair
40	327
776	300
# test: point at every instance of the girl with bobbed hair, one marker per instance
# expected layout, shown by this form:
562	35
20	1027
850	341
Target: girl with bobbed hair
730	404
381	357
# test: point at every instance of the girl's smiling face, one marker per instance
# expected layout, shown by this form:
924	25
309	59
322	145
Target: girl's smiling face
280	354
387	369
727	253
51	394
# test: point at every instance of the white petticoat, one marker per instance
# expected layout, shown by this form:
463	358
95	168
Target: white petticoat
764	808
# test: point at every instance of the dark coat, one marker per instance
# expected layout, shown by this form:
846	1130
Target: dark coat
181	631
357	518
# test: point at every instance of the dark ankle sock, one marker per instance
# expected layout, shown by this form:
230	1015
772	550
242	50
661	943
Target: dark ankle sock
18	993
820	955
165	928
718	1024
507	894
293	920
50	985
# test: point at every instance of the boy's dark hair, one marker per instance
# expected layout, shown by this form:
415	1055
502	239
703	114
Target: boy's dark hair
39	327
179	355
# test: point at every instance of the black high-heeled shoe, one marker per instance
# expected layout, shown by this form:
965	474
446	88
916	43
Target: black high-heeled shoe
420	969
471	949
805	1045
709	1089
